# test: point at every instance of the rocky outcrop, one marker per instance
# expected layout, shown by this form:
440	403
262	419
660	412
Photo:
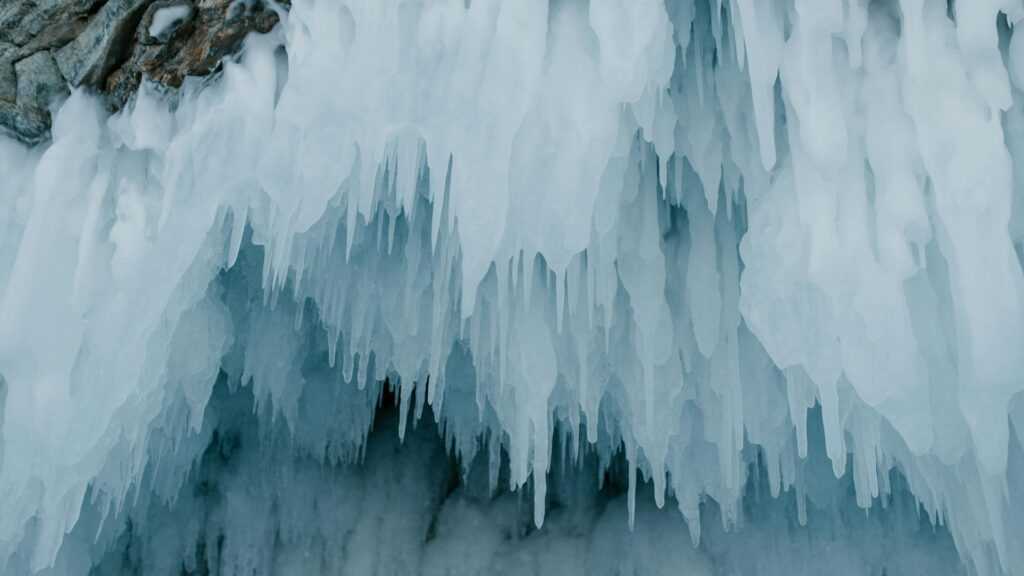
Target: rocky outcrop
39	79
94	53
193	45
109	46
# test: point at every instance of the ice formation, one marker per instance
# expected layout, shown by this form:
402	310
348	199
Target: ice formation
685	243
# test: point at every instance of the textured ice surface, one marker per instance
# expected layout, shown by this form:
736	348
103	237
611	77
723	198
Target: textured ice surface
755	261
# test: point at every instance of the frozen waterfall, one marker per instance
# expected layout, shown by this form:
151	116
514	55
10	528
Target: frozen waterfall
530	286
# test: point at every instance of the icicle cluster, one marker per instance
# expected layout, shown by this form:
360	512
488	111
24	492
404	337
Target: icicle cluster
670	228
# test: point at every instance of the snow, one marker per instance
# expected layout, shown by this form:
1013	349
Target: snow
689	244
167	18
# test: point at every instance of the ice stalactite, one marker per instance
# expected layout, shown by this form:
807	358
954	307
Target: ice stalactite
703	241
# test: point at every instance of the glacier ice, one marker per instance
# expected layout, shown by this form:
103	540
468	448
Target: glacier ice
680	286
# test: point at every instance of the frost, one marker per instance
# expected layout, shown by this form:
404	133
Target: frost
631	261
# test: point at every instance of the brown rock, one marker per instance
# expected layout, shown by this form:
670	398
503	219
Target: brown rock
106	45
214	31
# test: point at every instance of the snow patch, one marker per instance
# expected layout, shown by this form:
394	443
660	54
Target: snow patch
168	18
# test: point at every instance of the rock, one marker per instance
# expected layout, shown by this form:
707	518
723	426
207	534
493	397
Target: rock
108	46
39	84
15	20
8	81
43	24
105	41
39	81
215	30
30	126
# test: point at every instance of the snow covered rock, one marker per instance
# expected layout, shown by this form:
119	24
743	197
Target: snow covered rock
166	18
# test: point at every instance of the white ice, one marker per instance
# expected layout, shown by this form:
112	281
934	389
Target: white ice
165	19
667	228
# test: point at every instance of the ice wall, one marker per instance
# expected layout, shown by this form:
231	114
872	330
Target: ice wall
666	228
257	502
